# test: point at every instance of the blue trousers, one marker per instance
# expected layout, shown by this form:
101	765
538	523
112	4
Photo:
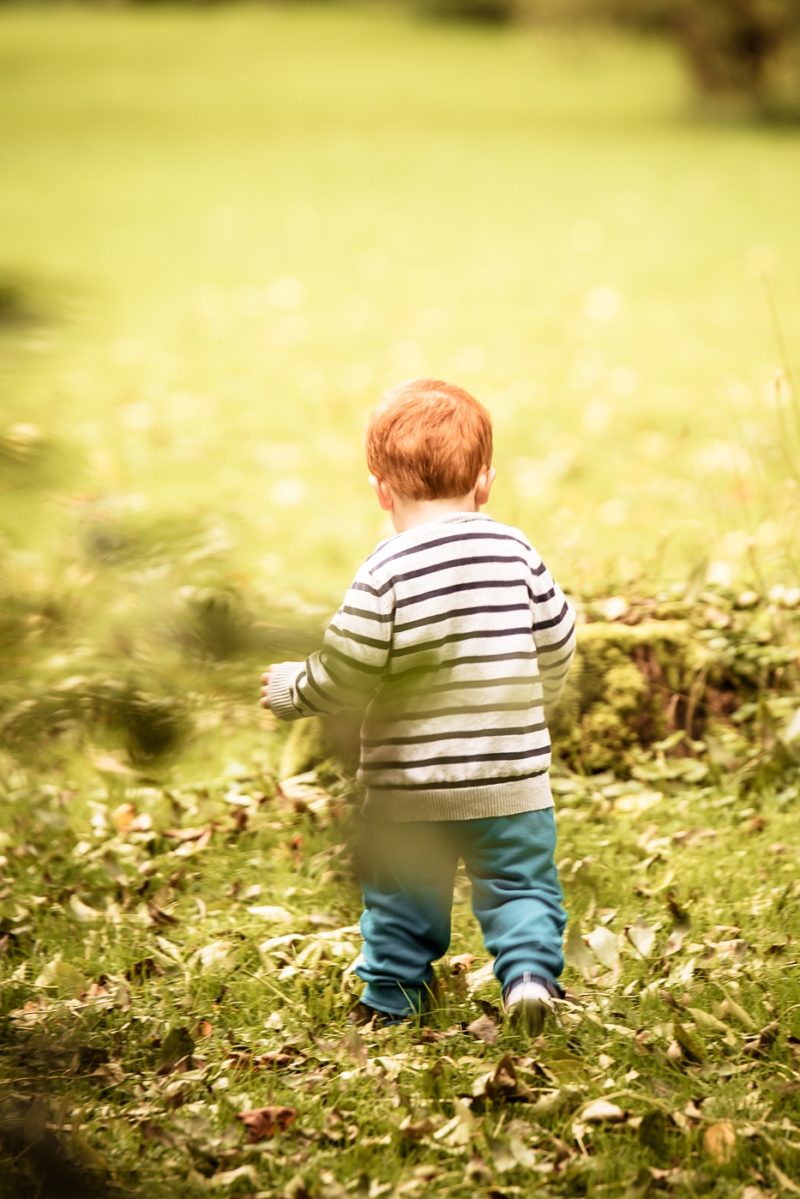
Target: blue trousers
407	874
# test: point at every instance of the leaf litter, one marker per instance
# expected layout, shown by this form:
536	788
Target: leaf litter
184	1027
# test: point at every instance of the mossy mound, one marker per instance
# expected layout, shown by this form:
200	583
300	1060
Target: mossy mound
649	671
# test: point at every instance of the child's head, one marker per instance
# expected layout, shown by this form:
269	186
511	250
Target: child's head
429	440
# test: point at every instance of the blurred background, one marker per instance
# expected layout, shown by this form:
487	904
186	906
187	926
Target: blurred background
226	229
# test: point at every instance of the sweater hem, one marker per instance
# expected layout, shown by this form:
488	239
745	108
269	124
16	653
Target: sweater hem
473	803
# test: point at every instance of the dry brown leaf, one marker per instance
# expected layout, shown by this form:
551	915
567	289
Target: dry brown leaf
123	816
188	834
719	1141
263	1122
483	1029
415	1130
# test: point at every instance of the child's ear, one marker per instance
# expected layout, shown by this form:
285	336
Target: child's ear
483	487
385	497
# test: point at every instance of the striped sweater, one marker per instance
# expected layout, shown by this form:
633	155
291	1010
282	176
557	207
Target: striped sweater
454	640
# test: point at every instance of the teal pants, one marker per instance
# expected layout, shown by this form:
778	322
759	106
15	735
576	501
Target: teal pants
407	872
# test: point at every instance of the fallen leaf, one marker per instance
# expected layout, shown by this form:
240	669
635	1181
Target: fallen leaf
719	1141
483	1029
109	1074
263	1122
479	978
227	1178
501	1083
577	954
66	978
763	1040
355	1047
82	912
457	1132
600	1111
188	834
216	953
415	1130
271	912
642	937
604	946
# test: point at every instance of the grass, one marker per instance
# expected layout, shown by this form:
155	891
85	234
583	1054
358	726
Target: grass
174	959
222	234
238	227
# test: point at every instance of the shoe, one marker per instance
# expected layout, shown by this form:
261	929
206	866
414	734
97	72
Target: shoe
528	1001
362	1015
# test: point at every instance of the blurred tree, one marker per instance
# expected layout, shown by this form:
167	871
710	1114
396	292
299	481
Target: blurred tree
747	51
490	12
743	49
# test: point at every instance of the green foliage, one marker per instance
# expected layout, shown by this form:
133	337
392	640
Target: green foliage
665	672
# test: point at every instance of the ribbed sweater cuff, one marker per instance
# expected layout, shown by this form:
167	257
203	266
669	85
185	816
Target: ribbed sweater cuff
281	680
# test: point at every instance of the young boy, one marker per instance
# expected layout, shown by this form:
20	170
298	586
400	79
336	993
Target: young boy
454	640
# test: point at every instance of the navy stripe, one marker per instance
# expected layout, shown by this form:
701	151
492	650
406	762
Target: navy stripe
422	571
460	734
457	613
353	663
363	614
553	621
475	684
549	649
359	638
521	655
552	667
485	685
543	598
475	585
306	677
454	710
370	590
450	638
459	783
428	545
458	759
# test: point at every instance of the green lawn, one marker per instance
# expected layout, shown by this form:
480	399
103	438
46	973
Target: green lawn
223	233
172	959
239	226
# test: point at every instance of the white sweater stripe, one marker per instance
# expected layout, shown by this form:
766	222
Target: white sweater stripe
451	639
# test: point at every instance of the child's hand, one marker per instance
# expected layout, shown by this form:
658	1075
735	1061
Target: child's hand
265	689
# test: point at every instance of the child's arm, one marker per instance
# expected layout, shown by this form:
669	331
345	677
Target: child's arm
348	668
553	633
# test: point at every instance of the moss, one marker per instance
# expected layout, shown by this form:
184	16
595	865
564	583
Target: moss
632	685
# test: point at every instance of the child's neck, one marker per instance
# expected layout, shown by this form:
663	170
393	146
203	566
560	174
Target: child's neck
407	513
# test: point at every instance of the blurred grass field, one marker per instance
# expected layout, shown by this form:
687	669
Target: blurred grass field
223	233
226	232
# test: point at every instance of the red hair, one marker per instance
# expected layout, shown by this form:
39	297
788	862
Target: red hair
429	440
